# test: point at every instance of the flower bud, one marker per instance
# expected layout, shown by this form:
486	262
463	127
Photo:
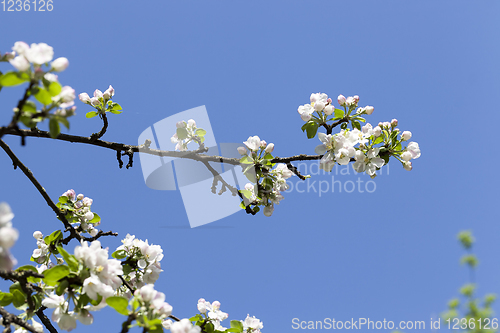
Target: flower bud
181	124
381	124
407	166
350	101
263	144
108	93
369	109
191	123
93	232
406	136
270	148
242	150
377	131
268	211
356	98
80	196
329	100
216	305
37	235
318	106
394	122
406	156
387	124
328	109
89	216
97	93
84	97
60	64
20	63
341	100
95	101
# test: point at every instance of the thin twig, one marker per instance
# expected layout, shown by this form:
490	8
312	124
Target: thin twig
34	181
99	135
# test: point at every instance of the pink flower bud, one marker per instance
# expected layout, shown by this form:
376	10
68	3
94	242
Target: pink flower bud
60	64
387	124
270	148
80	196
263	144
108	93
37	235
95	101
369	109
356	98
350	101
242	150
407	166
394	122
84	97
328	109
341	99
97	93
70	194
381	124
406	136
216	305
377	131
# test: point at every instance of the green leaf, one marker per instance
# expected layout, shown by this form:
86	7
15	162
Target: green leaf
115	112
127	269
54	128
237	324
54	88
246	193
96	301
378	140
115	107
96	219
196	318
27	268
43	96
10	79
91	114
61	288
54	274
209	327
53	237
63	121
201	132
246	160
356	124
18	298
69	258
5	298
312	129
83	300
182	133
120	304
29	106
338	113
63	199
120	254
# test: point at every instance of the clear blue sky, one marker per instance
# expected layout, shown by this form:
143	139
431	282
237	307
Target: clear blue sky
390	254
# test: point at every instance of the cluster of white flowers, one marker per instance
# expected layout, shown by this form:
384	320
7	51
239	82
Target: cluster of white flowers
268	191
8	236
100	98
186	133
79	207
252	325
153	304
213	312
181	326
36	54
103	279
322	104
146	259
41	254
64	318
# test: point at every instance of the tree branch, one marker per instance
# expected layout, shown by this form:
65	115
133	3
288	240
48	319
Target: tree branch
11	318
45	320
96	136
34	181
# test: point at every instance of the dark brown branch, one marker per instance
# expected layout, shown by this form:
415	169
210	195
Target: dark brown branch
295	171
9	318
34	181
126	324
45	321
99	135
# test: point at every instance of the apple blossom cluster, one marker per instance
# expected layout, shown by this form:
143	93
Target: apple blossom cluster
78	213
214	316
142	264
24	55
101	101
8	236
258	168
187	132
28	60
151	304
65	319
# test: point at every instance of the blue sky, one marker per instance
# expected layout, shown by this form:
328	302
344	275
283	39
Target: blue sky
390	254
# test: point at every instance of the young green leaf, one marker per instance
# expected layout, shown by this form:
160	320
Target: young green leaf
54	88
54	128
18	298
54	274
91	114
5	298
120	304
10	79
43	96
69	258
182	133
